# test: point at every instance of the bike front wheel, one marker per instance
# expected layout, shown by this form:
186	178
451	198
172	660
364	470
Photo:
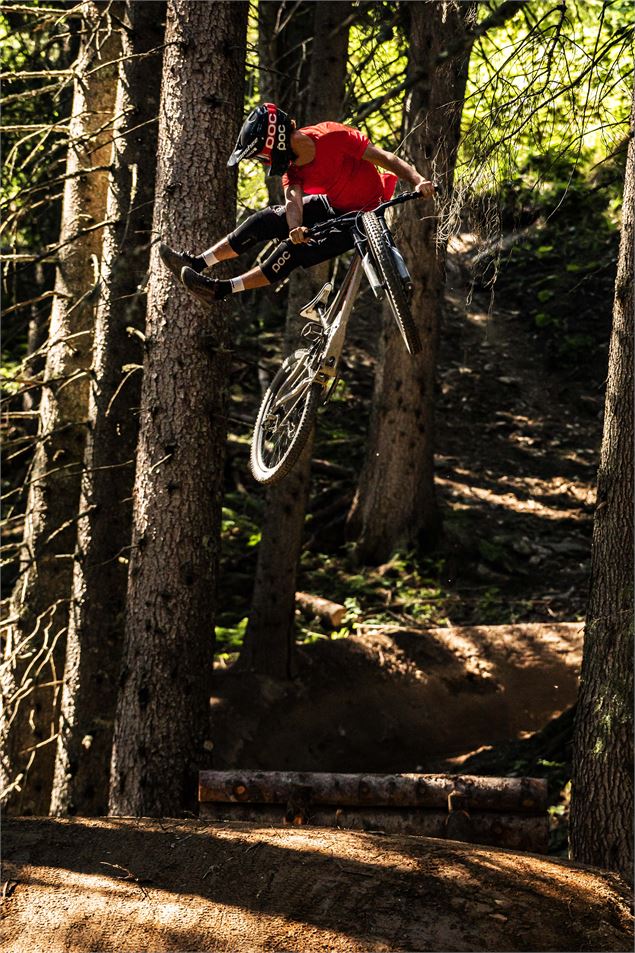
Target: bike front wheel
392	282
285	419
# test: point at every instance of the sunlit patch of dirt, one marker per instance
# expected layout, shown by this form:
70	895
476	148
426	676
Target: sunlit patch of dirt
460	489
119	885
397	698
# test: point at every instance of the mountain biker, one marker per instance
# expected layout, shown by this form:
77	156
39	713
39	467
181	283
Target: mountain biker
327	170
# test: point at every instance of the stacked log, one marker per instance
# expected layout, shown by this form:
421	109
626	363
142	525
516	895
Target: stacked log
503	812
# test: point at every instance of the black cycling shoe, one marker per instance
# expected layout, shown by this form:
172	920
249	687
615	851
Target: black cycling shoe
207	290
176	261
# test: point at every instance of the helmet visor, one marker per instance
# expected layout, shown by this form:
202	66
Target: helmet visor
257	136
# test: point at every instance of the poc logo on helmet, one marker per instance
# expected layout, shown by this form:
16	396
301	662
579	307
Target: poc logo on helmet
277	265
271	135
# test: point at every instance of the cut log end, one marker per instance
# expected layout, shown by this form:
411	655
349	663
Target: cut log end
332	613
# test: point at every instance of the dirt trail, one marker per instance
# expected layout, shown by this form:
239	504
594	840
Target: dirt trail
397	698
125	885
517	455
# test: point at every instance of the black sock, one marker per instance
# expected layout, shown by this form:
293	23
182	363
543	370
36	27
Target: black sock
225	287
199	264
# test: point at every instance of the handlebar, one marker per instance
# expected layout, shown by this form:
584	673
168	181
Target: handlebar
350	217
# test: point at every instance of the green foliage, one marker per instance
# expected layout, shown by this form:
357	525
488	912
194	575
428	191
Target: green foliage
545	128
560	277
34	137
378	56
9	374
496	552
550	87
230	638
406	589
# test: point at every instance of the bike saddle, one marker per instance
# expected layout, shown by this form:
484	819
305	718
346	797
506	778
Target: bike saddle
310	310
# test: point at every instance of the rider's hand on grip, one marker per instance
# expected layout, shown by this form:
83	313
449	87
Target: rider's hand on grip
299	235
425	188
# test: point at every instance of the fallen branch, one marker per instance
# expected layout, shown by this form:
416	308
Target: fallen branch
330	612
515	832
518	795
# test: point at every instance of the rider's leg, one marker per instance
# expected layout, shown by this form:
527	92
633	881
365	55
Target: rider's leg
267	224
280	263
221	251
209	290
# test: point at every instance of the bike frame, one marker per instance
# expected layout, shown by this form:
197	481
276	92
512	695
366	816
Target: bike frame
335	320
307	377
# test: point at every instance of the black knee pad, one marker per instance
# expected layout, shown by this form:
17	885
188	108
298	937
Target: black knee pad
281	262
262	226
288	256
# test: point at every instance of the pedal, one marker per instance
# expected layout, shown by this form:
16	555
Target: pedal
310	310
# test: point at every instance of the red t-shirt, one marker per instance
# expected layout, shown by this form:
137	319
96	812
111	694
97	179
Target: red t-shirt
338	171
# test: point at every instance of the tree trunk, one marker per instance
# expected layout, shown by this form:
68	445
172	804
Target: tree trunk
285	32
601	823
269	643
97	616
395	504
269	640
285	37
162	717
34	655
465	792
512	831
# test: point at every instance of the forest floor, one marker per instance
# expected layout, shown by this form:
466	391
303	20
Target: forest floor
464	659
121	885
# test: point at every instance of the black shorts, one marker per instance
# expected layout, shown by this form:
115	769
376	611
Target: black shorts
271	223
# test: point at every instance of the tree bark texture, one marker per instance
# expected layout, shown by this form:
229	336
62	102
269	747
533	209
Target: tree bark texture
512	831
285	35
395	505
270	636
285	40
162	716
269	644
34	657
601	826
97	614
505	795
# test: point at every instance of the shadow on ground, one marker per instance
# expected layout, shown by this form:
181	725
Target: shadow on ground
123	885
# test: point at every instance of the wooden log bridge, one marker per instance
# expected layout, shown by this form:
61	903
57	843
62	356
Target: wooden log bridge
503	812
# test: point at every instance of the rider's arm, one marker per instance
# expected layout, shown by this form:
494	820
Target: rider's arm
293	206
391	162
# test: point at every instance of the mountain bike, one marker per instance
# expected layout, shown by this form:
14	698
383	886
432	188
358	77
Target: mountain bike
307	378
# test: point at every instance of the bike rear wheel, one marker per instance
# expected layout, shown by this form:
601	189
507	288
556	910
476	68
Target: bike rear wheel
392	282
285	419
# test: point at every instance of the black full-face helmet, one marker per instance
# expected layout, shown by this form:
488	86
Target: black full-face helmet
265	135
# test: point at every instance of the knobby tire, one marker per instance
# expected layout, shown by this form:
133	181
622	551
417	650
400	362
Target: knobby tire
273	470
392	281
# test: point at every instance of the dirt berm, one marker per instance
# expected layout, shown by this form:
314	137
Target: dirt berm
124	885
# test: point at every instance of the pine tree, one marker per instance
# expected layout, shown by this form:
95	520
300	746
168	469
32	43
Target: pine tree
162	718
97	617
395	504
35	649
601	825
269	640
